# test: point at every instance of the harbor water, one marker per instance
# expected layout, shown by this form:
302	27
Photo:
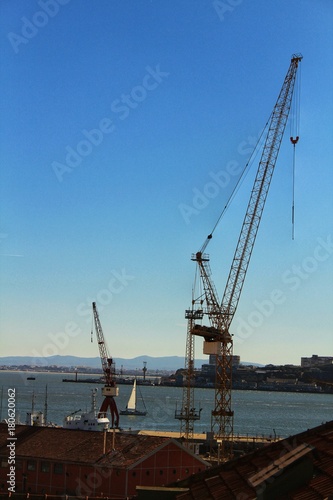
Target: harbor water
257	413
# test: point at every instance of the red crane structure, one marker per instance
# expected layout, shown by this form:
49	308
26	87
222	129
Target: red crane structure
217	337
110	390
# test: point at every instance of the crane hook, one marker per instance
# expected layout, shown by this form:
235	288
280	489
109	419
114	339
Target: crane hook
294	140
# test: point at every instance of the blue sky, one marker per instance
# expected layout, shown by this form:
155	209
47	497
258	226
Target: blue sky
116	119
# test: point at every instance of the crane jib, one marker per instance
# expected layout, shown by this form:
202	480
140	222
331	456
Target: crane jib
259	192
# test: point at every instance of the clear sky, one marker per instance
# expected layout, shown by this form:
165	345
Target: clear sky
117	117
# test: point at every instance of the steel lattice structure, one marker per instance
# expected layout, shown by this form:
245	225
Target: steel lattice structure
218	340
188	413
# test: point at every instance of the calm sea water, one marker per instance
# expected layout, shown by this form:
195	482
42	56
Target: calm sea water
256	412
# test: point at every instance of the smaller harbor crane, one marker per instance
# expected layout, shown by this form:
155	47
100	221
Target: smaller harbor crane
110	390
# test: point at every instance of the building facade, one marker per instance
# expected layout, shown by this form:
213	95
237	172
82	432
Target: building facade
316	360
55	461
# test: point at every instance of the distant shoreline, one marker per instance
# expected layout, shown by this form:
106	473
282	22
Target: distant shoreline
129	378
56	372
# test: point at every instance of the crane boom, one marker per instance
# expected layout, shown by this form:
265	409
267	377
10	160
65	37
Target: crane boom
258	196
106	360
218	340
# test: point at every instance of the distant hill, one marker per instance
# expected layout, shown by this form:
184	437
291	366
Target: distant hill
164	363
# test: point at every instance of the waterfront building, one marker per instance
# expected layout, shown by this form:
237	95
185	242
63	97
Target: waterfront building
235	360
316	360
56	461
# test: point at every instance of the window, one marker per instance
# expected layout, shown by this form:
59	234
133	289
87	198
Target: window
31	465
58	468
45	467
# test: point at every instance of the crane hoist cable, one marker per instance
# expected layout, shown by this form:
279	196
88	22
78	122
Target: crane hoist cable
198	293
237	186
294	138
92	330
293	192
295	111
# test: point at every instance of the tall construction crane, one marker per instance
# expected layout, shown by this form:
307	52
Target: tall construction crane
110	390
217	338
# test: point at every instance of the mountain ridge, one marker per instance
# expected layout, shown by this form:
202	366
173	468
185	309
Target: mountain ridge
163	363
166	363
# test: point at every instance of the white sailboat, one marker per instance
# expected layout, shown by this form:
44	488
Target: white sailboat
131	405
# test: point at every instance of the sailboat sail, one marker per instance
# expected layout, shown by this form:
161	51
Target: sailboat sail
131	405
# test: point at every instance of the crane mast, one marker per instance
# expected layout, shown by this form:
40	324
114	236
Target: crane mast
218	340
109	390
188	414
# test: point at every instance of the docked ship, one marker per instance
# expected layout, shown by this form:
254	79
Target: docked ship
89	421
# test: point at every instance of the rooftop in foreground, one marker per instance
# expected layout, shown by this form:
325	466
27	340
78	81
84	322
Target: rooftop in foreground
297	468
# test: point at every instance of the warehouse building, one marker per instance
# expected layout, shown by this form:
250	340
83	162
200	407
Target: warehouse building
56	461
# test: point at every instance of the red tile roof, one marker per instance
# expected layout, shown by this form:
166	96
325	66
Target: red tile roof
79	446
241	478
